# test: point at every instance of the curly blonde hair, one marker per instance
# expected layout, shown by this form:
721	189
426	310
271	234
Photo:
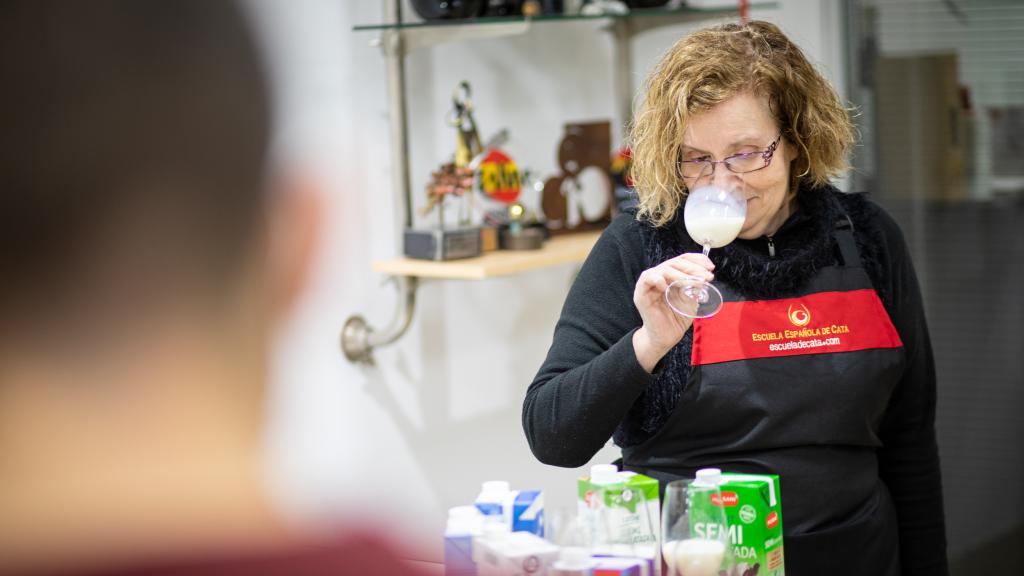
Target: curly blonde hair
707	68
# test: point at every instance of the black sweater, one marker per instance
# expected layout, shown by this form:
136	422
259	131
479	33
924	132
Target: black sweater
591	386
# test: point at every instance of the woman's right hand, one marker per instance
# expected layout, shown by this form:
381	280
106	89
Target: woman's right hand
662	328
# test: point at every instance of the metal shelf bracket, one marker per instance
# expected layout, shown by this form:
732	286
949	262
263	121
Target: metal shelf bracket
358	338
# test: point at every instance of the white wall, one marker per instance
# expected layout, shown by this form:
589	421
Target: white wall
440	411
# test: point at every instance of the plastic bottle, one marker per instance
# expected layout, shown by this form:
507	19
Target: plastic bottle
494	502
464	523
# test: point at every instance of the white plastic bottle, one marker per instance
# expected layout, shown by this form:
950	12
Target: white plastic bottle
494	502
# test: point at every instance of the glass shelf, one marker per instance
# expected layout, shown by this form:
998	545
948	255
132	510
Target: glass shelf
684	13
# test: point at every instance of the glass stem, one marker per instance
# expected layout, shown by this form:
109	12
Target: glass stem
702	297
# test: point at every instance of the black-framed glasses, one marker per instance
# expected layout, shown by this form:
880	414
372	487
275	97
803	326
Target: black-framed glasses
737	163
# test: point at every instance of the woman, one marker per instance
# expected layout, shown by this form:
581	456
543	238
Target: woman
837	398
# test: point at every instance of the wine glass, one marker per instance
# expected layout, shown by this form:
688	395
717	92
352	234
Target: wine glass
694	535
714	215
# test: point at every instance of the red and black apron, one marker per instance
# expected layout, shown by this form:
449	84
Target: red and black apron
796	386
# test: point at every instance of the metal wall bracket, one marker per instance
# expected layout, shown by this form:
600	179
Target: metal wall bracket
358	338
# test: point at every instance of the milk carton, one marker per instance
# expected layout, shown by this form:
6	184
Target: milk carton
753	511
464	523
512	553
619	513
520	510
528	512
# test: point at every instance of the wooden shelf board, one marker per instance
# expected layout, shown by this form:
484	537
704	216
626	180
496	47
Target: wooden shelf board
563	249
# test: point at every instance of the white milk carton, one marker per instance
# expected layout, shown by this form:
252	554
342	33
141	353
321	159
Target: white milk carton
502	553
620	513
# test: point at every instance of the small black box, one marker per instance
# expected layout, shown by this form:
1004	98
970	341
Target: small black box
442	244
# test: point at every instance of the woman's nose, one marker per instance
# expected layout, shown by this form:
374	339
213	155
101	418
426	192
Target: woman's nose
722	177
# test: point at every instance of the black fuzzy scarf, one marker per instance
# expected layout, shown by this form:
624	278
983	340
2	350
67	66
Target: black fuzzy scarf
803	245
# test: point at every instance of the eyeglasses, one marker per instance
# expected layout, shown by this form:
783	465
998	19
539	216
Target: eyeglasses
737	163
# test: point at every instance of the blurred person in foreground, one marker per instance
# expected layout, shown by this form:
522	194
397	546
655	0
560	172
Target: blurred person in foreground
145	262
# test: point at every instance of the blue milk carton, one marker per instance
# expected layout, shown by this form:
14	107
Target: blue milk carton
521	511
528	512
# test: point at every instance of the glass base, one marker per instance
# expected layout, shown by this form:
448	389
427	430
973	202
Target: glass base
693	298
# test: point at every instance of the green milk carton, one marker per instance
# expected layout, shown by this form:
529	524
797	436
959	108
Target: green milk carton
753	511
619	513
